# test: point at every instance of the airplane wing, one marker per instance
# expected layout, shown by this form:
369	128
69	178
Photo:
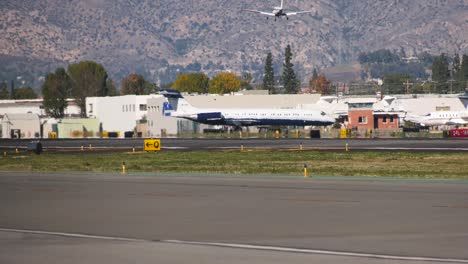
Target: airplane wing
457	121
298	12
259	12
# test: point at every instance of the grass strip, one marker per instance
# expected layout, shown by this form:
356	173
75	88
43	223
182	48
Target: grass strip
388	164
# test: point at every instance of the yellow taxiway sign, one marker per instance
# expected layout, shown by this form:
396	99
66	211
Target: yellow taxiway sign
152	144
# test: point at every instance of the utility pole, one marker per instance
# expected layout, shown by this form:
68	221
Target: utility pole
435	87
451	85
12	96
407	86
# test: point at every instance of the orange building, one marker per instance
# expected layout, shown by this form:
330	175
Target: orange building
386	120
362	116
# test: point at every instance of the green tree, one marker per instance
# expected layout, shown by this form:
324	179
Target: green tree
393	84
314	78
463	79
88	79
149	87
455	81
246	79
12	91
55	90
4	94
192	83
25	93
112	88
269	75
456	65
290	81
224	82
441	73
314	74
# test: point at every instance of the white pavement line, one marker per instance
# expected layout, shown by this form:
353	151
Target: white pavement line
385	148
241	246
312	251
73	235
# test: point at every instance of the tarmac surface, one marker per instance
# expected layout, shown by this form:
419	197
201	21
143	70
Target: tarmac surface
150	219
452	144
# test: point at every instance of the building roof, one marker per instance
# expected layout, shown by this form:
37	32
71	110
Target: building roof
28	116
423	106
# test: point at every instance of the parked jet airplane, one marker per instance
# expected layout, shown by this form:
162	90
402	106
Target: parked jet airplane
440	118
178	107
278	12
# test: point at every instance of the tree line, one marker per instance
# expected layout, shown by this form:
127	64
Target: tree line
13	93
449	75
89	79
86	79
288	82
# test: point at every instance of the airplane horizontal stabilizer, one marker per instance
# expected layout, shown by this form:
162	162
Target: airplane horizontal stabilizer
260	12
299	12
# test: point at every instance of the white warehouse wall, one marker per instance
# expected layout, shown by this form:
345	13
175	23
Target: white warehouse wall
118	113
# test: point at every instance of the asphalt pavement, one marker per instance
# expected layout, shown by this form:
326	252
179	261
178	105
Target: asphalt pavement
405	219
451	144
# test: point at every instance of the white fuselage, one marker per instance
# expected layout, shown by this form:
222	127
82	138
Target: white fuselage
256	117
441	118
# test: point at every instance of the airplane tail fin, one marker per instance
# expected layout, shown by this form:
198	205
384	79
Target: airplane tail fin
175	103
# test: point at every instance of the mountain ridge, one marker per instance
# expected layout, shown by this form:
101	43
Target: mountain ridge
162	38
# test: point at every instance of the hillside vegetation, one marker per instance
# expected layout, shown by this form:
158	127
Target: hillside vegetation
162	38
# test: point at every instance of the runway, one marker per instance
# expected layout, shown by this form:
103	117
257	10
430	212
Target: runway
421	219
457	145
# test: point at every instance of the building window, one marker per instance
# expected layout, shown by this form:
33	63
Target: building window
362	120
384	120
133	108
143	107
391	119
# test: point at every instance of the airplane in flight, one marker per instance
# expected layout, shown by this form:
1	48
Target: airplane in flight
278	12
177	106
440	118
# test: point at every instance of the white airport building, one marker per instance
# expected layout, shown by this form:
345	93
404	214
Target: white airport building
144	113
28	119
20	126
119	113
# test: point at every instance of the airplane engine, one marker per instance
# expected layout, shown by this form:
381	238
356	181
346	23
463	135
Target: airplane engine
209	117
